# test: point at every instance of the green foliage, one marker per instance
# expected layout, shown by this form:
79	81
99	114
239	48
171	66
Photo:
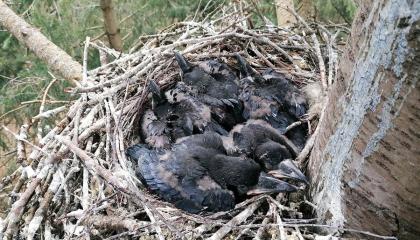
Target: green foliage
336	10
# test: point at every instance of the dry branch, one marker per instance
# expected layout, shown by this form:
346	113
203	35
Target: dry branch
237	220
51	54
21	150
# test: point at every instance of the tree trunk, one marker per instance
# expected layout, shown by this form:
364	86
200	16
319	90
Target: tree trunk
284	17
307	9
365	164
111	25
56	59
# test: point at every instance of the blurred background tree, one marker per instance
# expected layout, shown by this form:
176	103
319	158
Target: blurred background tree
67	23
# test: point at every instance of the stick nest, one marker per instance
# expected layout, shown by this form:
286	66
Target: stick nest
77	182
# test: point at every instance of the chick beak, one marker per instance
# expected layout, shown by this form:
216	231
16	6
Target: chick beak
182	62
287	169
270	185
154	88
156	93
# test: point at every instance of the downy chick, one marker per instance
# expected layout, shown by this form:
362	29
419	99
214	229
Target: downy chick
175	115
237	174
271	97
292	99
195	175
215	85
187	107
258	140
240	174
181	181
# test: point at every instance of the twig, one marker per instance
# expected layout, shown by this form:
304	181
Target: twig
291	126
292	225
300	19
310	143
17	137
34	225
266	40
153	220
280	226
116	223
238	219
85	184
332	62
49	113
65	179
321	63
85	58
12	111
260	55
46	101
266	220
21	152
41	108
299	234
6	180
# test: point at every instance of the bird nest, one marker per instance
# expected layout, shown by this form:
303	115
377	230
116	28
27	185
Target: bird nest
77	181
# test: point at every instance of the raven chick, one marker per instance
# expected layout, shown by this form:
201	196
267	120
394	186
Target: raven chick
214	84
258	140
273	98
181	181
173	115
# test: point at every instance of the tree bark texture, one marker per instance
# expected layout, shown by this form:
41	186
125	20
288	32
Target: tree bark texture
56	59
111	25
284	17
365	164
307	9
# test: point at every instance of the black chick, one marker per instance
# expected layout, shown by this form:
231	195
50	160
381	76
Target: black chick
273	86
197	175
174	117
292	99
239	174
187	108
215	84
181	181
221	72
154	131
153	126
273	98
258	140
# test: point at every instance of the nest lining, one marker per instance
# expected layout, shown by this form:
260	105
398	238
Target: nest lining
77	180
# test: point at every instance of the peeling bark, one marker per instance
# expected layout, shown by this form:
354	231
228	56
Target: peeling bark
56	59
365	165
